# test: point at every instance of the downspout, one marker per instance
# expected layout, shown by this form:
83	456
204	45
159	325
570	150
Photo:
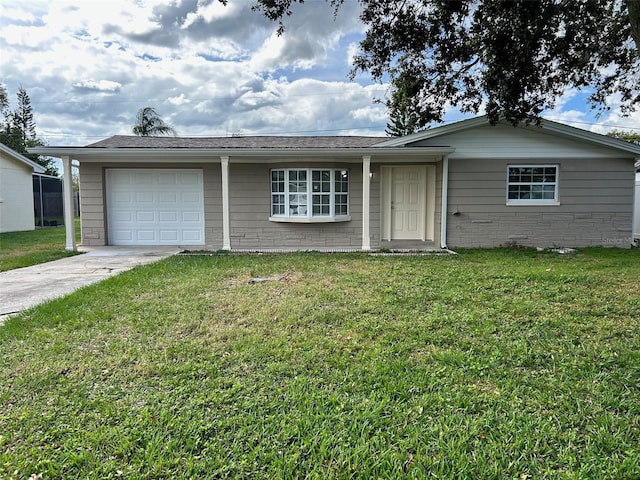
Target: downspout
444	202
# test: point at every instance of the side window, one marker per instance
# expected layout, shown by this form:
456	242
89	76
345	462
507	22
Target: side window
532	184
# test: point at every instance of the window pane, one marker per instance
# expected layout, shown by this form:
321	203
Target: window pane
321	205
531	183
298	205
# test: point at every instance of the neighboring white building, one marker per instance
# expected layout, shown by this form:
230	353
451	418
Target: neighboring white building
16	190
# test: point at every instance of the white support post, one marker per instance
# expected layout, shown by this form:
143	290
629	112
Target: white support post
445	201
635	227
366	196
226	224
67	195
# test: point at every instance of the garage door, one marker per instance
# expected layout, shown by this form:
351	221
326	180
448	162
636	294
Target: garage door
155	206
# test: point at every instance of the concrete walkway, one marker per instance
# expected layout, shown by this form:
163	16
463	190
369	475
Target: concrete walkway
23	288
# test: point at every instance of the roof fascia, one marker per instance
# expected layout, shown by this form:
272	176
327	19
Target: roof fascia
37	168
548	125
170	154
592	137
435	132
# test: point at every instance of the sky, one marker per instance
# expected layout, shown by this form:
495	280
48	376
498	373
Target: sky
88	66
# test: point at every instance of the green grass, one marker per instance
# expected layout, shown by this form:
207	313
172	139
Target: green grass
23	249
485	365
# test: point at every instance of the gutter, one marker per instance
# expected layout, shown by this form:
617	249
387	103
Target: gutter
171	153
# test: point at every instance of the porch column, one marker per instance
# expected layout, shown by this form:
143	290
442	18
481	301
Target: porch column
635	215
366	196
226	236
444	202
67	202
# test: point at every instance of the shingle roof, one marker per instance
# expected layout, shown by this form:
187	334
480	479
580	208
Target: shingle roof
249	142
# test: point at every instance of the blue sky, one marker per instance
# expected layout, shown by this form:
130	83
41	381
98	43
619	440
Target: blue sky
88	66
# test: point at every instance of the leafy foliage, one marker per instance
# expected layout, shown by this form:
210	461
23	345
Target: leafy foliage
18	128
511	58
625	135
149	123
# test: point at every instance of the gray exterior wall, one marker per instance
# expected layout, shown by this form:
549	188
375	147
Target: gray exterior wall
92	201
596	203
249	205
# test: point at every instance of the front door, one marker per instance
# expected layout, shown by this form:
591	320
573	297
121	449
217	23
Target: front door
407	202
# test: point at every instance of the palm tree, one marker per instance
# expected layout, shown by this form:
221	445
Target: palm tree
149	123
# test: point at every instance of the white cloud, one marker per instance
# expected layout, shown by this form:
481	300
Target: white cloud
208	69
99	86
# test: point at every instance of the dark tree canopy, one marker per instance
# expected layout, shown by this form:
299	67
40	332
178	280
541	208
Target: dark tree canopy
513	58
18	129
149	124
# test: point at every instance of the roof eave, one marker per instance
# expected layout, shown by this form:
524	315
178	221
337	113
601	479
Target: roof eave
167	154
549	125
37	168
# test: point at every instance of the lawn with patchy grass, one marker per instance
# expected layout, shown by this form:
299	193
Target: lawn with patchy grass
484	365
23	249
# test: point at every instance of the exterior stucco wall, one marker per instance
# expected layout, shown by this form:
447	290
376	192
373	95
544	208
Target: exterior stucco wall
93	213
16	195
595	195
249	207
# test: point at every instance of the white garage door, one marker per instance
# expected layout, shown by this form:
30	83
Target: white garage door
155	206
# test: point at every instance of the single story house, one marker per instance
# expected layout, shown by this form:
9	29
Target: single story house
466	184
16	190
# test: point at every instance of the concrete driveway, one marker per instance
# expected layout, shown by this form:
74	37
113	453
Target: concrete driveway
26	287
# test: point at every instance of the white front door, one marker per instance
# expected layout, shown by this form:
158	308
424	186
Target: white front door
155	206
407	202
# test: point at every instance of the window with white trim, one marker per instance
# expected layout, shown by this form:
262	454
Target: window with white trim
532	184
309	193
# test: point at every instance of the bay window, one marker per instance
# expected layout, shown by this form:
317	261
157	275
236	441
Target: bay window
309	194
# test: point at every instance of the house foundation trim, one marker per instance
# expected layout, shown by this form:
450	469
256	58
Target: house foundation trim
67	196
366	201
444	202
226	225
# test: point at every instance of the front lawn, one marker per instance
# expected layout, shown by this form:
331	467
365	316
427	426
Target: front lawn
484	365
23	249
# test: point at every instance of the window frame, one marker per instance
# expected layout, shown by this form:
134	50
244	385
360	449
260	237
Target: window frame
532	201
281	183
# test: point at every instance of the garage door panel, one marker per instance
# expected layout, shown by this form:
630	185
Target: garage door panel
155	207
191	197
167	178
144	197
123	216
191	217
143	177
147	236
194	236
168	197
169	235
122	236
189	179
145	217
170	216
